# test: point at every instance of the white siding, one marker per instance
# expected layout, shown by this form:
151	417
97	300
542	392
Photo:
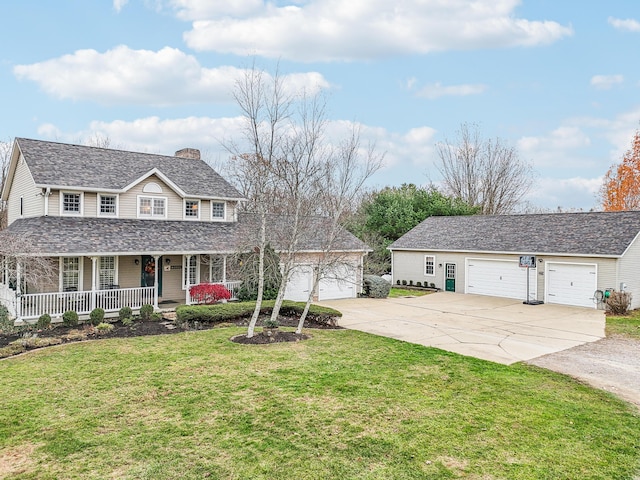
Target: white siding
129	200
629	272
24	186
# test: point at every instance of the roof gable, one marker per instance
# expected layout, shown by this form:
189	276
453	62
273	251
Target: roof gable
60	165
589	233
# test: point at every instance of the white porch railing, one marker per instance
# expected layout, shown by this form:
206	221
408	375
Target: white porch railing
233	288
8	299
55	304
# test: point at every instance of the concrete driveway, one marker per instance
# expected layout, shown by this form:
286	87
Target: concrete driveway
496	329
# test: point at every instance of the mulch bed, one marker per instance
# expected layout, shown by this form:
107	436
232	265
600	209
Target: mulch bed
166	326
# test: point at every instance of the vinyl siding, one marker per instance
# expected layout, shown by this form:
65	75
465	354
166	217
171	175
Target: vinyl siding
129	200
629	272
24	186
410	266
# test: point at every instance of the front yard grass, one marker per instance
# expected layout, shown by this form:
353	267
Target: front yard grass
407	292
343	405
628	325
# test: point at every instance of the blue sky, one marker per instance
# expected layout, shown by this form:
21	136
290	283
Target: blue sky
559	80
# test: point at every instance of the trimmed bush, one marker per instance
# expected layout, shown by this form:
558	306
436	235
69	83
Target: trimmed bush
432	285
145	312
397	282
618	303
44	321
96	316
70	318
404	282
124	313
419	284
376	287
6	323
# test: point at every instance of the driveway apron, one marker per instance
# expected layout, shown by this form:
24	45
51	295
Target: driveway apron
497	329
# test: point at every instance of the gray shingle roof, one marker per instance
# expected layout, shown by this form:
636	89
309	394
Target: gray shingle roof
65	165
592	233
72	235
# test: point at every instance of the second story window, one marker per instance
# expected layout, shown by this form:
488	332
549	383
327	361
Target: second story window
152	207
217	210
107	205
71	203
192	209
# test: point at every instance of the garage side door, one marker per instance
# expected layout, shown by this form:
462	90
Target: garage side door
299	285
500	279
572	284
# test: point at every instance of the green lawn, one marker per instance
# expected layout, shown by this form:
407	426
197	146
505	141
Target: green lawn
628	325
406	292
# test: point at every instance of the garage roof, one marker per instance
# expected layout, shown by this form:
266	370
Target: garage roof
585	233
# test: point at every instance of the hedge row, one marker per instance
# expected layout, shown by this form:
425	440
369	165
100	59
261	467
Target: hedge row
224	312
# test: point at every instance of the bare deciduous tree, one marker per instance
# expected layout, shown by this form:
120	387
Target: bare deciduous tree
5	159
485	173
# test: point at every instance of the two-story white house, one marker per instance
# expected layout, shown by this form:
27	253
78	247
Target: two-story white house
128	228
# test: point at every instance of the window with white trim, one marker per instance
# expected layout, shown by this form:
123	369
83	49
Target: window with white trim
192	209
193	271
71	203
217	210
107	272
70	274
152	207
429	265
107	205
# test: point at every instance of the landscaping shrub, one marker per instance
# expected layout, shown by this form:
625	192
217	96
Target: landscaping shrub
397	282
6	324
70	318
419	284
145	312
44	321
103	328
125	313
127	321
96	316
404	282
209	293
618	303
432	285
376	287
411	283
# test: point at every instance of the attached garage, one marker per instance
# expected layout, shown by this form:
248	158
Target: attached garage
576	255
332	287
499	278
571	283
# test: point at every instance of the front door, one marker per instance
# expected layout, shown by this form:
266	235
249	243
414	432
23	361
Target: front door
450	277
148	273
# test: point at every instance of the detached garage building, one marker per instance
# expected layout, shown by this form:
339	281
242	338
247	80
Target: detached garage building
572	255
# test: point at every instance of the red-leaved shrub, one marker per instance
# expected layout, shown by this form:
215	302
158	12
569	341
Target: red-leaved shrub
208	293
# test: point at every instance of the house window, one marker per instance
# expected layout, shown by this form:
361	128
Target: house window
429	265
71	203
192	269
70	273
192	209
152	207
107	205
217	210
107	272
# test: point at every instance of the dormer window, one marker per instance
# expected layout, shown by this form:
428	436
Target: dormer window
71	203
217	210
192	209
152	207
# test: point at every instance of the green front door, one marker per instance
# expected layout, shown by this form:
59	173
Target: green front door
450	277
148	273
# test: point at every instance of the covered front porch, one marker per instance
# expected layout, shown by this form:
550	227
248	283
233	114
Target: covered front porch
111	282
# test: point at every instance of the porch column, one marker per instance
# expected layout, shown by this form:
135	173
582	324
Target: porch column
224	269
156	258
18	290
94	281
187	279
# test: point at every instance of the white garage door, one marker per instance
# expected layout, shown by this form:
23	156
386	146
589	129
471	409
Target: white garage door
299	285
499	278
571	284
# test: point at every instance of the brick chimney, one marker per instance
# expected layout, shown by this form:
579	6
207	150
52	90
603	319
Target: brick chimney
192	153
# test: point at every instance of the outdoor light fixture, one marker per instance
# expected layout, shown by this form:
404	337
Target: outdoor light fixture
136	261
167	261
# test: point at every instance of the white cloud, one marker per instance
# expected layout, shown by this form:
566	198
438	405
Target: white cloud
123	75
568	193
437	90
118	4
556	149
329	30
629	25
605	82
